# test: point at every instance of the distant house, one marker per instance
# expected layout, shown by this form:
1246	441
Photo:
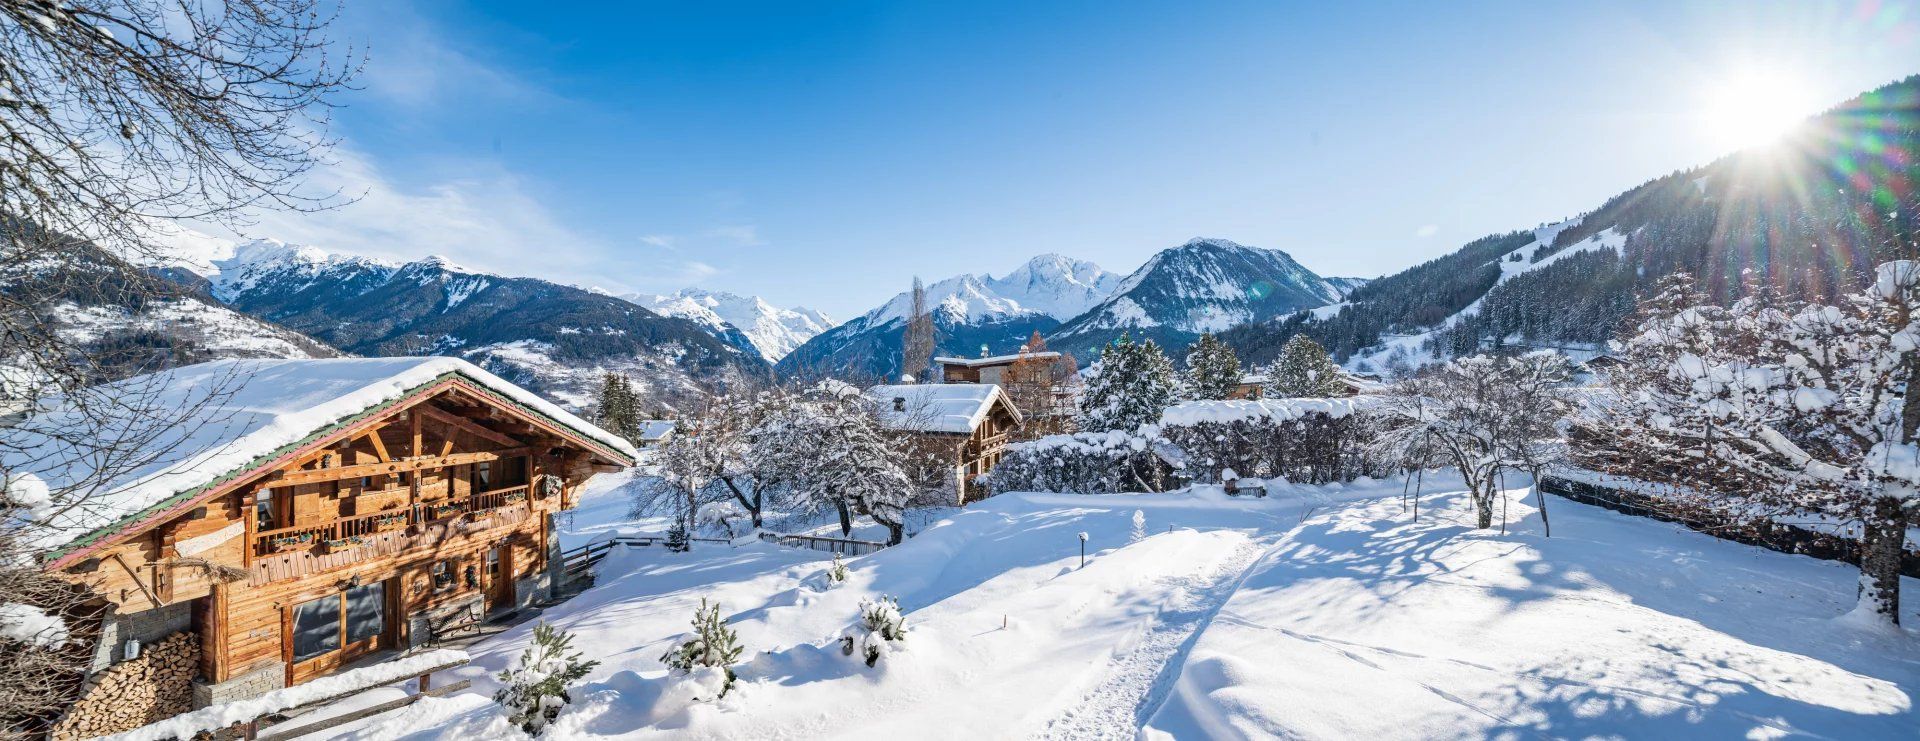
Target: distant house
310	513
1251	386
656	431
984	369
967	423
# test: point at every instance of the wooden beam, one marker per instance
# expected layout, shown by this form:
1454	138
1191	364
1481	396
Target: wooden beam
342	473
413	421
379	446
468	426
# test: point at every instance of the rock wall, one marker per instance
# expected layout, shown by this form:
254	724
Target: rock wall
156	686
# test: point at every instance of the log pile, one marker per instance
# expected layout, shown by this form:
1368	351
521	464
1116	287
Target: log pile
131	694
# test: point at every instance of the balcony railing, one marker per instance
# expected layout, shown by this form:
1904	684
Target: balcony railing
344	531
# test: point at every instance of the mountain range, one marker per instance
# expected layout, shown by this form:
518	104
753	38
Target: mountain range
747	321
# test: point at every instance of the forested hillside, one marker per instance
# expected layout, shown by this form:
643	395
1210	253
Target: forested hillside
1806	217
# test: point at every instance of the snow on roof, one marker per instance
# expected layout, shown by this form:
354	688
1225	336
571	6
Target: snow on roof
994	360
1240	410
655	430
936	407
196	425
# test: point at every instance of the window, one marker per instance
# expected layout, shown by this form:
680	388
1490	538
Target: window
442	575
263	510
493	563
483	476
366	611
406	479
316	628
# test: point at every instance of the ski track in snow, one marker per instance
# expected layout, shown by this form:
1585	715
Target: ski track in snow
1135	684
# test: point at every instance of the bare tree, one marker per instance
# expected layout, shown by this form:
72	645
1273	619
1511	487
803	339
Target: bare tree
916	341
118	117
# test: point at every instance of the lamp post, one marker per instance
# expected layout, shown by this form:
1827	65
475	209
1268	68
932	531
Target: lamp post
1083	549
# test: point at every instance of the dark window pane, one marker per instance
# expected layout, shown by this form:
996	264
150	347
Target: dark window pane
316	627
366	611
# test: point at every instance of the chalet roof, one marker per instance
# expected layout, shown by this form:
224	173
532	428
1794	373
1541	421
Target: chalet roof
939	407
993	360
655	430
202	425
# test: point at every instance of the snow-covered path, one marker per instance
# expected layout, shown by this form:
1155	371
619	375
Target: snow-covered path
1137	680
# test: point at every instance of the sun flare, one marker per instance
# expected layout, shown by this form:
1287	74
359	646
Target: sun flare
1754	109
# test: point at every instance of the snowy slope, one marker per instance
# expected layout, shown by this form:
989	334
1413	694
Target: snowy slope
556	339
771	331
969	311
1205	285
1321	612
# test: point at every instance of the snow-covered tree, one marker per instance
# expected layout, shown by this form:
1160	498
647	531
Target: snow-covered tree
1303	370
832	451
837	573
916	340
679	538
1806	405
1213	371
877	633
1483	415
619	408
708	653
534	692
709	460
1133	384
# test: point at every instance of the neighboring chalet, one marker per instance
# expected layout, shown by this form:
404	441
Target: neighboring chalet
1254	385
967	422
984	369
656	432
297	515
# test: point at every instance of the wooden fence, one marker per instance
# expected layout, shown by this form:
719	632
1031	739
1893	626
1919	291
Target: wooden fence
843	546
578	563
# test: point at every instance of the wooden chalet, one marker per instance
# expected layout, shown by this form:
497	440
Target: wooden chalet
969	423
321	511
986	369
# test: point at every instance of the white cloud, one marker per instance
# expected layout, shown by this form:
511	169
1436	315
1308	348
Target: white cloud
743	235
1427	231
663	241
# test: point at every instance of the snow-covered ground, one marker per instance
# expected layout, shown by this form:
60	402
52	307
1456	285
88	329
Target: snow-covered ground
1323	612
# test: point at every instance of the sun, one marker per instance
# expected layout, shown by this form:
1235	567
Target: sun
1754	108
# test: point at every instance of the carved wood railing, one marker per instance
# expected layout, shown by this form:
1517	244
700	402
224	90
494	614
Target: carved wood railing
343	531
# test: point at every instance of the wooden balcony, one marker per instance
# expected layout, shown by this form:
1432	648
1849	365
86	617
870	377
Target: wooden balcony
355	530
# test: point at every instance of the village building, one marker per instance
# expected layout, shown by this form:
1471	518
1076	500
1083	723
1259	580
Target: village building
968	424
985	369
654	432
304	514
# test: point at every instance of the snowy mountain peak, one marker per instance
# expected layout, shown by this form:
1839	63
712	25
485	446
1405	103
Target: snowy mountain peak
1050	284
1206	284
769	330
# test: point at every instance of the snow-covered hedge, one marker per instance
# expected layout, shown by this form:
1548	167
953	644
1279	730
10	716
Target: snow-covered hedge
1084	463
1311	441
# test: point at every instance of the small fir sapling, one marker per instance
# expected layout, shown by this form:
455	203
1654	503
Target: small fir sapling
536	690
837	573
878	632
677	541
1139	531
708	653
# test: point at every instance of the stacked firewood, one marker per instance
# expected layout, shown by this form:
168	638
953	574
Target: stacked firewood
154	687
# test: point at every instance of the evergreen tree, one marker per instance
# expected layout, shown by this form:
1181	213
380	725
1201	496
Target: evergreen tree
619	408
711	645
1303	370
536	690
1135	383
1213	371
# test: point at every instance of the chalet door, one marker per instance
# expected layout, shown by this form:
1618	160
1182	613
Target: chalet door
333	630
499	577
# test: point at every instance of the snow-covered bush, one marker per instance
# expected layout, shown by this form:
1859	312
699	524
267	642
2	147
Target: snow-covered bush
535	691
877	633
1313	441
837	573
720	515
707	654
1084	463
1131	385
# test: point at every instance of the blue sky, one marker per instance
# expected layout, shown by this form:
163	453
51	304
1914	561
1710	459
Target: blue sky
822	154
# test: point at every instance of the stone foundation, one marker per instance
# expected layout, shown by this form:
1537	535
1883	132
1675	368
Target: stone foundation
267	678
152	687
146	626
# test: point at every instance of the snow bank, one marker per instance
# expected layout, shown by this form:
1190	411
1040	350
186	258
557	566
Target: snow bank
29	624
215	717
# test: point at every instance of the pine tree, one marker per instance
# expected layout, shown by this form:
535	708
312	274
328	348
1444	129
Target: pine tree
536	690
619	407
1135	383
1303	370
1213	371
877	633
711	645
